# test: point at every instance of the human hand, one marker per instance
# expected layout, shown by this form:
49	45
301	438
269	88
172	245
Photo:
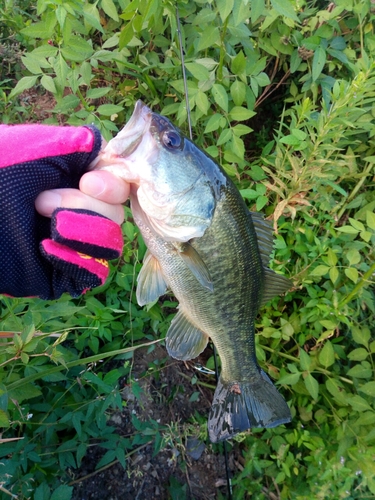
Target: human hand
99	191
69	252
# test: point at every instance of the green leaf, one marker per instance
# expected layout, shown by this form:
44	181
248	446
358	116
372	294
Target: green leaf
78	49
356	224
334	274
358	354
289	379
366	418
126	35
352	274
318	63
220	96
238	65
362	370
261	202
62	492
359	404
198	71
48	83
24	392
257	8
312	386
239	113
109	457
238	92
110	9
25	83
361	335
109	109
320	270
208	38
32	64
370	219
305	360
241	129
202	102
61	70
337	391
284	8
43	29
327	354
353	256
225	8
368	389
96	93
204	17
4	420
92	17
347	230
241	12
213	123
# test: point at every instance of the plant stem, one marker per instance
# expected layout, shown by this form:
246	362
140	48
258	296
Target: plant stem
77	362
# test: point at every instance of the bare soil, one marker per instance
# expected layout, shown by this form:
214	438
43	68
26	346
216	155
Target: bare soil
173	472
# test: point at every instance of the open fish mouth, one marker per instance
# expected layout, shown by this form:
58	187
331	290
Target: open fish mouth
129	138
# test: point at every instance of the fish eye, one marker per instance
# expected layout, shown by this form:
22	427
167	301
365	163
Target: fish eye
171	140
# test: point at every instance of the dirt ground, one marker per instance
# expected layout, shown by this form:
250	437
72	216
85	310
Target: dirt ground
186	468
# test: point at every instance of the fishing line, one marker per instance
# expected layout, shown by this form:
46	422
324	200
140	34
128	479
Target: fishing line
182	55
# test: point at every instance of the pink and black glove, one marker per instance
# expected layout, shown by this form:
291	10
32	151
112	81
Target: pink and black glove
40	256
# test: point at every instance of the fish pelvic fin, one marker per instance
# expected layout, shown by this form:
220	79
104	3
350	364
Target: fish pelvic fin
239	406
184	341
151	284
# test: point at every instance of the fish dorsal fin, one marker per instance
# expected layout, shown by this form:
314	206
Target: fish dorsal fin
264	233
151	284
184	341
274	284
195	264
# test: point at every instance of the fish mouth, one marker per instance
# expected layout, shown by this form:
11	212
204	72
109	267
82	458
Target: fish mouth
131	135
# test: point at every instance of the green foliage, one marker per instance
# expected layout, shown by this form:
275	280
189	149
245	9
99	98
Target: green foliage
282	95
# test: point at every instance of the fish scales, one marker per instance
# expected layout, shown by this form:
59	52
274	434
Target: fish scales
202	244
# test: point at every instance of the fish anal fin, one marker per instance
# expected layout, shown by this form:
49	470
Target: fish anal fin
274	284
195	263
151	284
239	406
184	341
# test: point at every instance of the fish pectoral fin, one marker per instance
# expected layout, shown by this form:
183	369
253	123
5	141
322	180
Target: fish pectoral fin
151	284
274	284
195	264
184	341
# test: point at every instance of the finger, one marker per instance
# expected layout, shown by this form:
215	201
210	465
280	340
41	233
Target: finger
104	186
48	201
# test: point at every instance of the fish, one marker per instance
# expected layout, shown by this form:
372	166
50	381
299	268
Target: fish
204	245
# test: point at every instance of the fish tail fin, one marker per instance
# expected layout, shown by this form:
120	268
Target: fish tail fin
238	406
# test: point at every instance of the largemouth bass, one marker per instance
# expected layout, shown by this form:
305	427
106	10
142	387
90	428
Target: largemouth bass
205	245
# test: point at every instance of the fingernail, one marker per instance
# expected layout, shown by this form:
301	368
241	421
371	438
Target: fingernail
47	202
94	184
